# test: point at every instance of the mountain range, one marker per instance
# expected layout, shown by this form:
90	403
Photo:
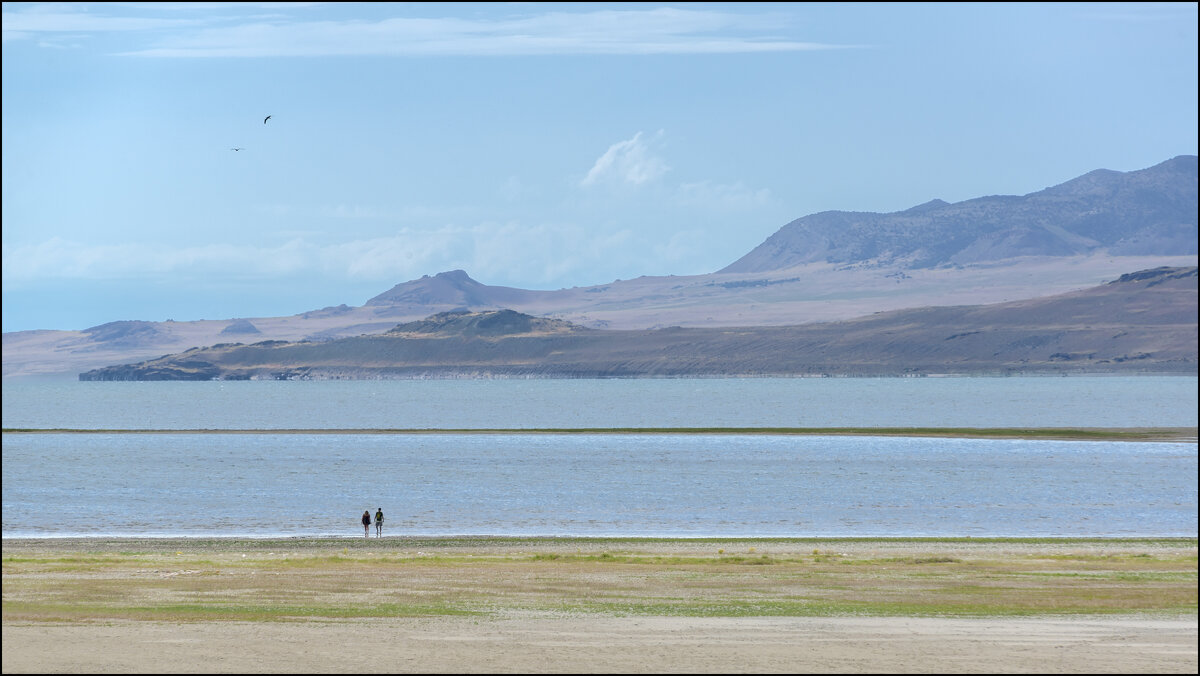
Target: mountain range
1146	212
826	267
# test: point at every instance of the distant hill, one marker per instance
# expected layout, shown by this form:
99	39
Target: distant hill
1144	322
452	288
1146	212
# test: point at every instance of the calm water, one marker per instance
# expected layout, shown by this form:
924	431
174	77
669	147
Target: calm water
196	484
561	484
734	402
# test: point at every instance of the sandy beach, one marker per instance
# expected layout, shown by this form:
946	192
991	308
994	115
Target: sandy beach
592	605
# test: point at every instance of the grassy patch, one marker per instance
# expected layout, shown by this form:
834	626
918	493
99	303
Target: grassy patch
818	608
200	612
947	577
663	560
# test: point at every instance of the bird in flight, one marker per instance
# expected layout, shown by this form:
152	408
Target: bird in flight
266	118
235	149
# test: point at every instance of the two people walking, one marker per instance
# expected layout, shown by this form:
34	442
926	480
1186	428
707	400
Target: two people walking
366	522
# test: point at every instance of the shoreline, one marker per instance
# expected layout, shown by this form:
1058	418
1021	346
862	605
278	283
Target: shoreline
458	540
503	545
169	543
1155	434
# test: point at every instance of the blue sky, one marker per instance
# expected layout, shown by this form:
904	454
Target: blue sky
532	145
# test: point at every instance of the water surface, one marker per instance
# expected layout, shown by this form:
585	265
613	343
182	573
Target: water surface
585	484
1083	401
597	484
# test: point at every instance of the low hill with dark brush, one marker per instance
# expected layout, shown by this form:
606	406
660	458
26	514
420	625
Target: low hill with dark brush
1144	322
498	324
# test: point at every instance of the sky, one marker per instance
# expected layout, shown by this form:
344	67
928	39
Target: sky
533	145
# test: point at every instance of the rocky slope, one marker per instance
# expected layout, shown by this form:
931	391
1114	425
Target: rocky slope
1122	213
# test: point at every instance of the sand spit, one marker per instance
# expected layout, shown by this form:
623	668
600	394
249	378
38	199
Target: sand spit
1160	434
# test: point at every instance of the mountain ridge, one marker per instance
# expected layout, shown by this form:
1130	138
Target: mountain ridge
1143	211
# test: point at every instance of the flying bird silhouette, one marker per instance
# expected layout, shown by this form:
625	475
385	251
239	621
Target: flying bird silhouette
235	149
266	118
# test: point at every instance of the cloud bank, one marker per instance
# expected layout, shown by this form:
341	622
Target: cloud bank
487	250
222	31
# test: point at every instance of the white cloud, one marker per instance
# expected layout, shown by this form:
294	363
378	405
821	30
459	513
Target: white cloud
1141	12
684	246
350	211
55	18
222	32
632	161
536	254
542	254
637	162
513	189
707	194
654	31
57	258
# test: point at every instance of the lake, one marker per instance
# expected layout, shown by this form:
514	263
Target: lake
691	485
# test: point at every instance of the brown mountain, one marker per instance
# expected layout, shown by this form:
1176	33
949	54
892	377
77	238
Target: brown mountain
1141	323
1150	211
453	288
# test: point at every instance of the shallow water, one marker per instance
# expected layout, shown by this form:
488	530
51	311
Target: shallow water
651	485
597	484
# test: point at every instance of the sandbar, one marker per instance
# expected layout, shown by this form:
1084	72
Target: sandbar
1160	434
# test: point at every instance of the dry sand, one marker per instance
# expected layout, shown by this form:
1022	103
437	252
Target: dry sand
543	641
607	645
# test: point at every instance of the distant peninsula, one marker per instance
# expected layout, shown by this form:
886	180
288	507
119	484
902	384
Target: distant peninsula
1144	322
